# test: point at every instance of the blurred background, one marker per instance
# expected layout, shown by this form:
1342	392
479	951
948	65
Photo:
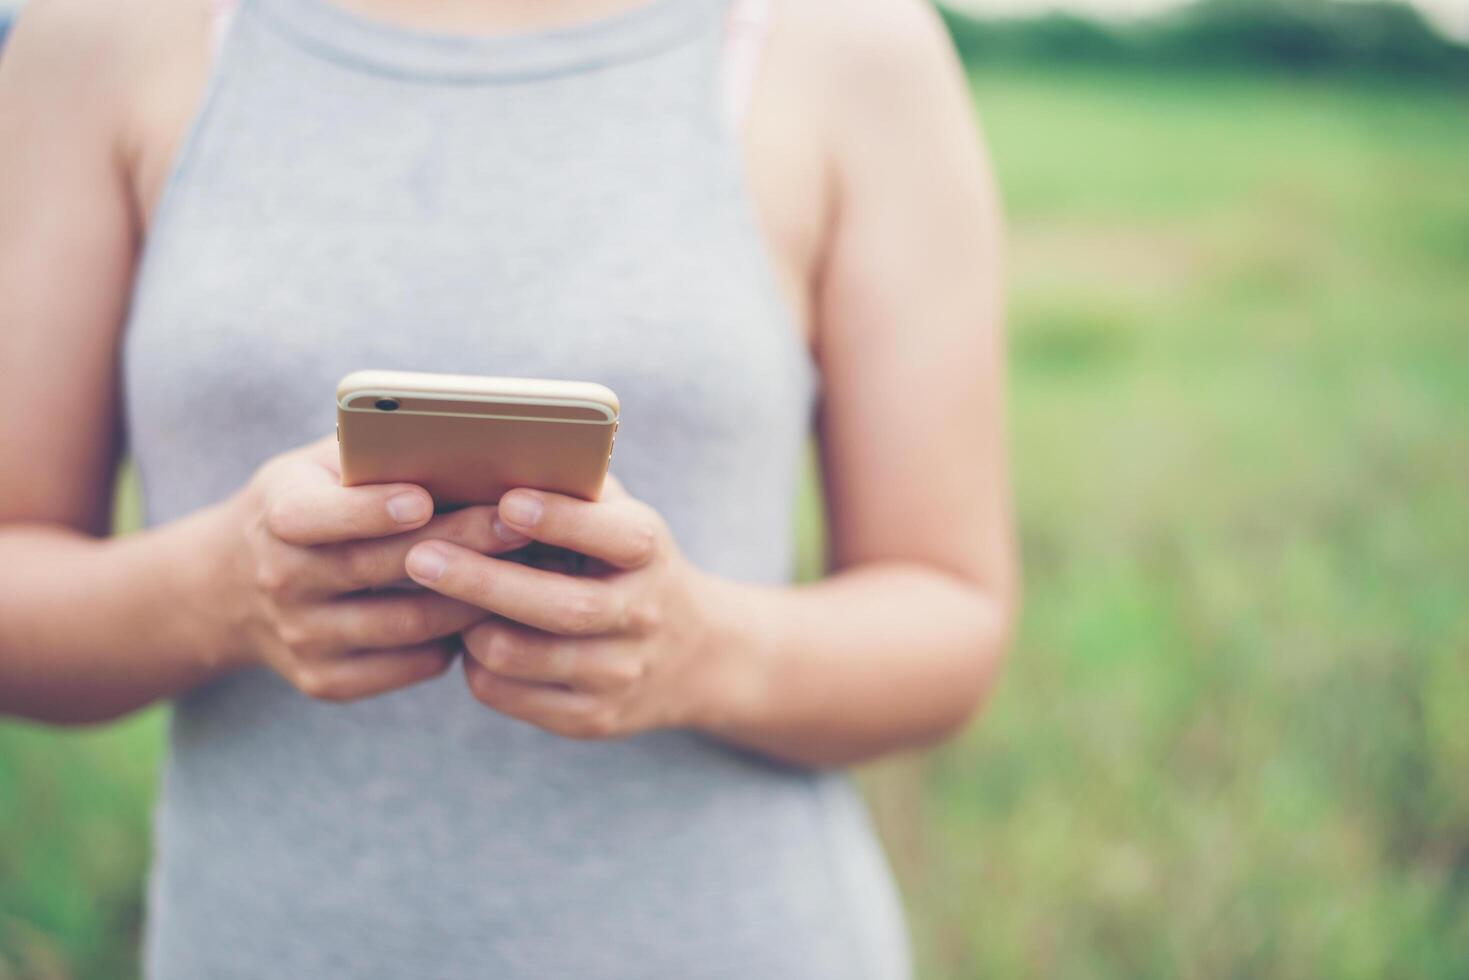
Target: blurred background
1233	738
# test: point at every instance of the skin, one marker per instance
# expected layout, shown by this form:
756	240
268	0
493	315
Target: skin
874	194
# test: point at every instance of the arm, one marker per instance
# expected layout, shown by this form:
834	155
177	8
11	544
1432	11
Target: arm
68	243
91	628
279	576
901	644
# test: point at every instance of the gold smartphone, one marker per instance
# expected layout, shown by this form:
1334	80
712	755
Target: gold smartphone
468	439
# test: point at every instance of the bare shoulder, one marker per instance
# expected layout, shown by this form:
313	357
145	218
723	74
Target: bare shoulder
884	77
119	77
83	38
91	54
97	21
874	27
874	43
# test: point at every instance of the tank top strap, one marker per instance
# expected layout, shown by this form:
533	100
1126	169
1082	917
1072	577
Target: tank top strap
221	14
746	29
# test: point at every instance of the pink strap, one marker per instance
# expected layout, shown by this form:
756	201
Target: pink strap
745	33
221	12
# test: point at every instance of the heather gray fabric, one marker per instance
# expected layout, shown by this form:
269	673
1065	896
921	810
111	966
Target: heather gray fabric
564	204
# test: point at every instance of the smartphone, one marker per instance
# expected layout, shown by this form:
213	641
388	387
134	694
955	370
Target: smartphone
468	439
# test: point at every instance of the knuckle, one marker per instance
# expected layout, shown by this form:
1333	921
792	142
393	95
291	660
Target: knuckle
644	616
411	623
643	541
500	649
625	672
596	723
264	473
271	579
280	515
484	688
581	611
257	493
477	638
319	685
358	567
558	661
295	637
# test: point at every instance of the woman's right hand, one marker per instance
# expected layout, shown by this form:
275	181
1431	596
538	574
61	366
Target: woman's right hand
297	553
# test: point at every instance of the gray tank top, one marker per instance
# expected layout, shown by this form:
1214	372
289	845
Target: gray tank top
560	204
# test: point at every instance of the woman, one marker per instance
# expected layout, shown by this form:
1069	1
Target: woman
207	218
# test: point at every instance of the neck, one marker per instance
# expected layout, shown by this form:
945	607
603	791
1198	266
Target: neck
486	16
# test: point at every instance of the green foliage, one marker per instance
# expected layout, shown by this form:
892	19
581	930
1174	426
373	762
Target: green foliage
1373	35
1054	35
1361	36
73	848
1232	739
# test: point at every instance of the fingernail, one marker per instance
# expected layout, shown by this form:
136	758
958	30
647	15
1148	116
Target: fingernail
409	508
506	533
427	563
521	508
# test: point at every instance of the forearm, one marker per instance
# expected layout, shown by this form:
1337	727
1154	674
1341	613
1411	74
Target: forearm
91	629
873	659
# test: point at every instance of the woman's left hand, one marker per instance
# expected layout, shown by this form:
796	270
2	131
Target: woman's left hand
632	644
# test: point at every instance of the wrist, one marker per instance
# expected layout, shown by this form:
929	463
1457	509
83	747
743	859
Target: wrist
735	654
199	578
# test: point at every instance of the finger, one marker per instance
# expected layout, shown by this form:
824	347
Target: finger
520	653
333	629
369	674
311	513
612	488
357	565
557	710
620	531
326	453
565	604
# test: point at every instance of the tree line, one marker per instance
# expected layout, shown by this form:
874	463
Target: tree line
1380	37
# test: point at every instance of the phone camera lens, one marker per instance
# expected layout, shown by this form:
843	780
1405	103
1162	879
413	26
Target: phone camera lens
387	404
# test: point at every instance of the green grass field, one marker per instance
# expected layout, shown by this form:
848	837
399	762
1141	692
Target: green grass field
1233	740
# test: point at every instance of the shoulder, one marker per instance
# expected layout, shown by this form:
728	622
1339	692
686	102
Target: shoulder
871	42
72	34
96	47
92	76
882	68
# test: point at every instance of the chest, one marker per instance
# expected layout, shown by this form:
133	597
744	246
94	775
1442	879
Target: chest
599	235
784	173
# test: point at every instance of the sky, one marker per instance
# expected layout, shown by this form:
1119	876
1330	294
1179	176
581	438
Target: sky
1452	16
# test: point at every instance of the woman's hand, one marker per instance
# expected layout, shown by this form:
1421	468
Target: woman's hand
628	646
297	553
